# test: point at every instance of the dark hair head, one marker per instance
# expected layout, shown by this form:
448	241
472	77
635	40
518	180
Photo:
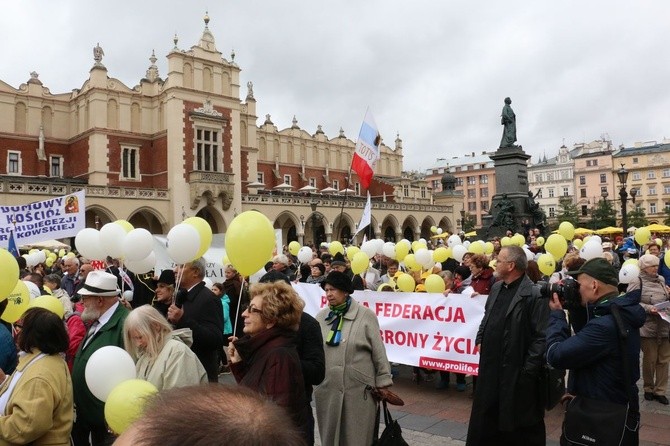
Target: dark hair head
43	330
22	262
53	278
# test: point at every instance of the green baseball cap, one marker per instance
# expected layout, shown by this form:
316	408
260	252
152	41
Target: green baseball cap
599	269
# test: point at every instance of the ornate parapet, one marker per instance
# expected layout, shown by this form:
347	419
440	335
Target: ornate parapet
211	185
61	186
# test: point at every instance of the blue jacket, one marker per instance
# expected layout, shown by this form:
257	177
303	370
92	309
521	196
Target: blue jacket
227	325
593	356
663	270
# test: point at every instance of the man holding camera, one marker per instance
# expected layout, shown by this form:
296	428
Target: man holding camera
593	354
508	407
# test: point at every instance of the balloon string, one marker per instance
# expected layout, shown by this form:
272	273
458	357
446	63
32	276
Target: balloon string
177	283
239	304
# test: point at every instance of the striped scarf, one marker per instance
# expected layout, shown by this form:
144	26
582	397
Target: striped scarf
336	319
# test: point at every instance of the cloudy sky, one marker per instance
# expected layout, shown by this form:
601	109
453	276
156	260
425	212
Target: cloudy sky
434	71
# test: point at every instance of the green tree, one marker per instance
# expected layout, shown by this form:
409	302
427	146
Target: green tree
666	221
568	211
603	215
469	222
637	217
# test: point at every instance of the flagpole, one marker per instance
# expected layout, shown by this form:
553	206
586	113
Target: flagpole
344	199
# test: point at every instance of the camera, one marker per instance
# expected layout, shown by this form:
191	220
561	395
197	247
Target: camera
567	291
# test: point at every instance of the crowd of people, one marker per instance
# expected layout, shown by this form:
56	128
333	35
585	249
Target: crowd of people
183	331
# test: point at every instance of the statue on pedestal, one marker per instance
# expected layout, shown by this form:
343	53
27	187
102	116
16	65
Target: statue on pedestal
508	119
505	216
97	55
539	218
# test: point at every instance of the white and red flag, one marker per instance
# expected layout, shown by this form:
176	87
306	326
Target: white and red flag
366	155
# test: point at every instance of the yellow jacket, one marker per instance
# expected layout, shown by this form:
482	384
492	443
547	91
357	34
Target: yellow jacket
40	409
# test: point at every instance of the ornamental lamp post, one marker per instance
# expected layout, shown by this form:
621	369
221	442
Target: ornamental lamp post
313	204
623	177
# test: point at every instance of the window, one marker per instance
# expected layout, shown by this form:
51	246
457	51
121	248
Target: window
651	175
357	188
550	177
637	176
551	192
552	211
590	163
666	188
566	192
538	178
471	167
457	169
603	191
603	178
14	163
56	166
336	184
405	190
565	175
652	190
585	210
472	180
207	150
539	193
459	181
312	182
582	193
652	208
472	206
582	180
436	185
666	173
635	160
287	179
130	163
422	191
472	193
484	192
484	179
260	177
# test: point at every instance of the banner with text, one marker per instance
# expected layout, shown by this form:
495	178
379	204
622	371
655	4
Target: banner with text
43	220
419	329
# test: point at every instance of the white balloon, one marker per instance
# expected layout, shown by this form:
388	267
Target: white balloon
137	244
111	239
389	250
33	289
629	273
40	257
466	243
87	243
458	252
406	242
369	248
454	240
305	254
106	368
529	255
208	283
31	260
183	243
423	257
591	250
423	241
142	266
596	238
439	231
128	295
379	245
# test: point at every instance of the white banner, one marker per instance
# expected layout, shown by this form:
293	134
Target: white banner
419	329
43	220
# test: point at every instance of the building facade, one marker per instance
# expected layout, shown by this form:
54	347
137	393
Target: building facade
551	180
186	145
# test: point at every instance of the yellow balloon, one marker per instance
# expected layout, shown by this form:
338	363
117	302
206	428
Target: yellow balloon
547	264
9	273
411	263
401	251
50	303
389	286
70	255
352	251
505	241
49	262
61	252
488	248
294	247
567	230
666	259
360	262
335	247
556	245
658	241
205	231
518	240
250	240
539	241
642	236
578	243
125	225
475	248
434	284
125	403
433	229
33	251
492	263
406	283
18	301
630	262
440	254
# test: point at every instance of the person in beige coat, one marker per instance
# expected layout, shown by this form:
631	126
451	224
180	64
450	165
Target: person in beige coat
36	400
356	363
654	333
163	357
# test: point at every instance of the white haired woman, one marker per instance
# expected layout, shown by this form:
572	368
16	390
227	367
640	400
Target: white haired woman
163	356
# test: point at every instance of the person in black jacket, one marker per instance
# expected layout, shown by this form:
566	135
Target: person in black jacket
507	407
197	308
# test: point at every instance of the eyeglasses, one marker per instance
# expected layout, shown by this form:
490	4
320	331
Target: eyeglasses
251	309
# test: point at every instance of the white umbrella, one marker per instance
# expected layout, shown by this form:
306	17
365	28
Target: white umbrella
256	185
347	191
283	186
308	188
329	190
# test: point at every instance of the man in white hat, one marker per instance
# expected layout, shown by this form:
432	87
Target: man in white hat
104	316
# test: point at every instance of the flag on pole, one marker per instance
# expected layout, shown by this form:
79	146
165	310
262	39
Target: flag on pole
11	246
366	218
366	155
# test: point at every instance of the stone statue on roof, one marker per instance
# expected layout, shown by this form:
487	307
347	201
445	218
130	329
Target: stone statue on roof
97	54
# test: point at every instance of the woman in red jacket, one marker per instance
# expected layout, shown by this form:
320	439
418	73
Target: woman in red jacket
482	274
265	359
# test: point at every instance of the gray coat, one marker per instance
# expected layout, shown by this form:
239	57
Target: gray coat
344	408
653	292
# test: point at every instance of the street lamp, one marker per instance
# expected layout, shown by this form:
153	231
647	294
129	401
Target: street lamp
462	219
623	177
313	204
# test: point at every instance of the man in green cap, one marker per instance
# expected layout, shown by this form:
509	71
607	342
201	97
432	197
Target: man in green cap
592	354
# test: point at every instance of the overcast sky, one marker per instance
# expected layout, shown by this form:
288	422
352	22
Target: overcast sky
434	71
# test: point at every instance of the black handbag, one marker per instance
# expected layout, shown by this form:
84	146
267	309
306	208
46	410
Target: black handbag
392	435
593	422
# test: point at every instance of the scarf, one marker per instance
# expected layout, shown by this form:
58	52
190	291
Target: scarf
336	319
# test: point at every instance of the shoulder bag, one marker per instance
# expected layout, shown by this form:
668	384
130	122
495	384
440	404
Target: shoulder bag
594	422
392	435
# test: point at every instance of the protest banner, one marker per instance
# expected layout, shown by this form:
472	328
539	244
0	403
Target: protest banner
419	329
56	218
